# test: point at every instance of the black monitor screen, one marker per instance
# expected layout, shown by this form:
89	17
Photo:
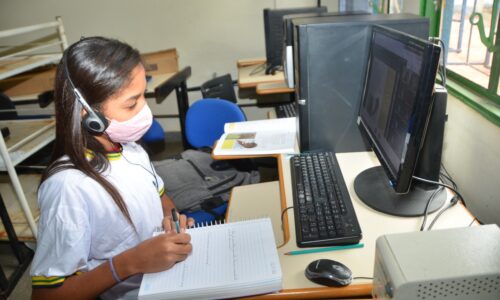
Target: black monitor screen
403	118
390	96
397	99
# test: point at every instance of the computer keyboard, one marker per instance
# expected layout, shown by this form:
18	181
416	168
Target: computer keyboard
323	210
286	110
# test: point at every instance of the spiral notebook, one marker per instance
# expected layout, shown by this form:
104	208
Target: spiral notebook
228	260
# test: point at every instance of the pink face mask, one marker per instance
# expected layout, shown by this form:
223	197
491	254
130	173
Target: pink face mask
132	129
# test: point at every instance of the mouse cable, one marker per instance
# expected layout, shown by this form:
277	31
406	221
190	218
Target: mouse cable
362	277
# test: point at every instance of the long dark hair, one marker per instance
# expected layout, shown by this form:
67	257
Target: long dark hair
99	67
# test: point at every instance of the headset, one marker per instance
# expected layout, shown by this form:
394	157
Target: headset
94	122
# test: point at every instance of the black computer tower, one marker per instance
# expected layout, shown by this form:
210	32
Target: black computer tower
330	58
288	39
273	32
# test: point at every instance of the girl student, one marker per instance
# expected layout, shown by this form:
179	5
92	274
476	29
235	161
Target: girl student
100	198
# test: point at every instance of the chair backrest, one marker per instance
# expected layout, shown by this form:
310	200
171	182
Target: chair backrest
219	87
205	120
154	134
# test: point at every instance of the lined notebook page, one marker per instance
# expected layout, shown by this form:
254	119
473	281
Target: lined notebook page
227	260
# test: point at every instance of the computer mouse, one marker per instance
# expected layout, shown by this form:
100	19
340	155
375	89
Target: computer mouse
328	272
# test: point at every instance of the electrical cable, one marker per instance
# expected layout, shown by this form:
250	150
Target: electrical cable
447	179
454	200
152	172
362	277
283	214
442	72
441	184
473	220
426	210
258	68
448	176
452	203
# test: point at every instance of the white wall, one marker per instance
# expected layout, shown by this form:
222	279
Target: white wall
472	155
210	35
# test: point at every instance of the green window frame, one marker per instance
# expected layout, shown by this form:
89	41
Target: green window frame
484	100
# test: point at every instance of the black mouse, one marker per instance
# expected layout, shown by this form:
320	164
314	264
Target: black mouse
328	272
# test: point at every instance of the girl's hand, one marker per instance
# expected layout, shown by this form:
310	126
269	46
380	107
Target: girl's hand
184	222
159	253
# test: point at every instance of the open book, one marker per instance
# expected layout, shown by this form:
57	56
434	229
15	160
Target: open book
269	136
228	260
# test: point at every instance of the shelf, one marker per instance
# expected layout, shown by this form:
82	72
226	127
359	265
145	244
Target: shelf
26	138
20	65
30	186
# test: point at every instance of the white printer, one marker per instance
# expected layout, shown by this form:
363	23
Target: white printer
451	264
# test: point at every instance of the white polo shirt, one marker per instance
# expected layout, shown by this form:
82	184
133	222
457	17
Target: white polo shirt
80	225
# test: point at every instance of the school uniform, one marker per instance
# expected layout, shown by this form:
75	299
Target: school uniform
81	227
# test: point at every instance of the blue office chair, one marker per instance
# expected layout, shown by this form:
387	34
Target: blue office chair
205	121
203	217
154	134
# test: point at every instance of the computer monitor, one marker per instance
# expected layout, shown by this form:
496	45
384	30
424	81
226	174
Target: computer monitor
400	105
287	49
273	31
330	58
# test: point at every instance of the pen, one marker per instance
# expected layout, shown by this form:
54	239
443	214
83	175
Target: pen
175	218
325	249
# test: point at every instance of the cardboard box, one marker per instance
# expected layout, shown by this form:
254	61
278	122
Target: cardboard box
161	62
29	83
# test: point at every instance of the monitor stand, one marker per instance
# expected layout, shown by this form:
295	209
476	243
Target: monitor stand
372	187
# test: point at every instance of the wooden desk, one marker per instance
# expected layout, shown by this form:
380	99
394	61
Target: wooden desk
273	88
251	73
250	61
250	76
360	261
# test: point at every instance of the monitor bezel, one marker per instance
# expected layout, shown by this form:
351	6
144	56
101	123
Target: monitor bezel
401	178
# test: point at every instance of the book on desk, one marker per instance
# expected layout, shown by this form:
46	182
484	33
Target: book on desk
270	136
228	260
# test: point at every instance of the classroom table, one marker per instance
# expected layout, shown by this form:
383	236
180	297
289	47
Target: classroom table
260	200
250	76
